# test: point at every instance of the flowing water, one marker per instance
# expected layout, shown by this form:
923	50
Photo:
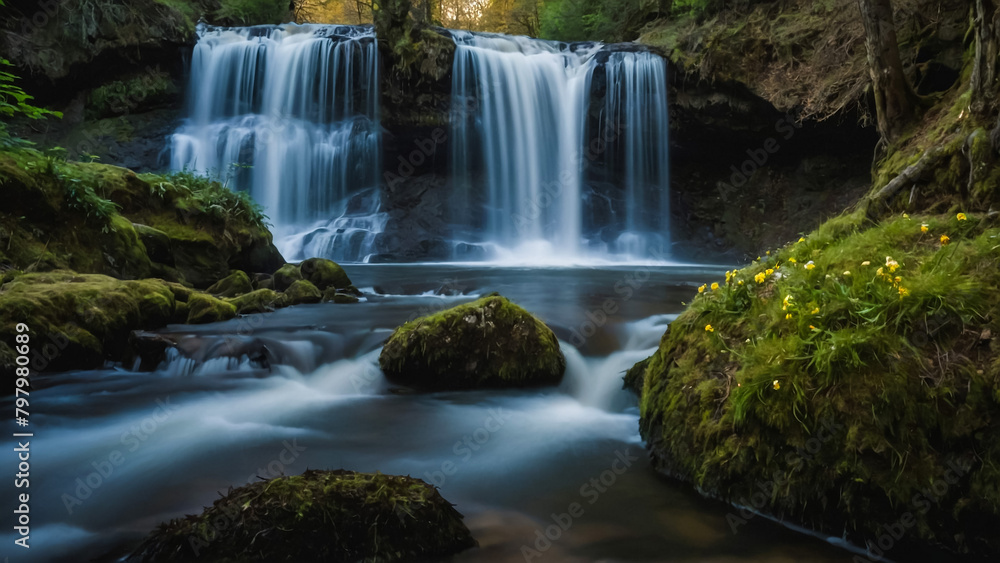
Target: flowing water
300	388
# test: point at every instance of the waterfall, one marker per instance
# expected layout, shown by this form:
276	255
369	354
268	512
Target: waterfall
537	166
290	114
636	102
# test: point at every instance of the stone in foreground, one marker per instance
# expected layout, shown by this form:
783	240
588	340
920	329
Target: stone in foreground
317	516
488	343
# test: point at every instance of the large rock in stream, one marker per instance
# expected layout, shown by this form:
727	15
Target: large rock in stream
488	343
317	516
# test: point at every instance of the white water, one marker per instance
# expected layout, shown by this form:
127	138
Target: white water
524	145
290	114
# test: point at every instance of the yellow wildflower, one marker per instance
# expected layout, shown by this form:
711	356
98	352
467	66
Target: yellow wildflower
898	279
961	217
768	271
793	260
759	278
905	216
768	253
810	265
878	272
776	385
945	240
715	286
903	292
847	273
739	282
701	289
815	311
708	328
891	264
866	263
802	239
924	228
788	317
811	327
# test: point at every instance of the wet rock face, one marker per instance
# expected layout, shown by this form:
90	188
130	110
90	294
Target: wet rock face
489	343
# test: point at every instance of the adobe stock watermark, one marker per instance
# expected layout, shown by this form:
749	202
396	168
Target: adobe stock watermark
796	460
624	289
105	466
231	512
591	491
471	443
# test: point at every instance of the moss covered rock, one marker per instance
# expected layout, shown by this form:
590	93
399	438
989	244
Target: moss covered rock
301	292
204	308
237	283
316	516
490	342
80	320
324	273
855	372
94	218
259	301
286	276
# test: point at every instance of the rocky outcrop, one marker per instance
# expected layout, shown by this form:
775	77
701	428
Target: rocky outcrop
317	516
94	218
489	343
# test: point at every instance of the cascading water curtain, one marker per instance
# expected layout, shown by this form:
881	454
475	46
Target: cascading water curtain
288	113
521	148
636	104
517	132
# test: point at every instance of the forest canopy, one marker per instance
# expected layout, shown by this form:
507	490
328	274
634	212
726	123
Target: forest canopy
563	20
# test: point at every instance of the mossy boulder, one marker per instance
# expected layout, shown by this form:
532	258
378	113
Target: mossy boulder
259	301
856	374
301	292
488	343
285	277
237	283
77	321
317	516
204	308
324	273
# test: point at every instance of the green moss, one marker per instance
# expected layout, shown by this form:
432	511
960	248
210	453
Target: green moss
79	216
302	291
899	352
236	283
127	95
490	342
259	301
207	309
322	516
324	273
86	318
286	276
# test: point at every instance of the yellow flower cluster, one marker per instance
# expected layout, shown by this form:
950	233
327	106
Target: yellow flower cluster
896	281
786	302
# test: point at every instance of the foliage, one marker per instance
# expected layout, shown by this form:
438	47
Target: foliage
122	96
253	12
208	195
888	329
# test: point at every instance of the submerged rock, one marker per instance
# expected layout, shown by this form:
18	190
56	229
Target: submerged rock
317	516
487	343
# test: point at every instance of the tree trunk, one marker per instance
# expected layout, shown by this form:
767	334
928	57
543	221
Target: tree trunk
986	22
895	101
432	11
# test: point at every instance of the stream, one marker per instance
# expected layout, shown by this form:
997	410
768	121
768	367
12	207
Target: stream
117	451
